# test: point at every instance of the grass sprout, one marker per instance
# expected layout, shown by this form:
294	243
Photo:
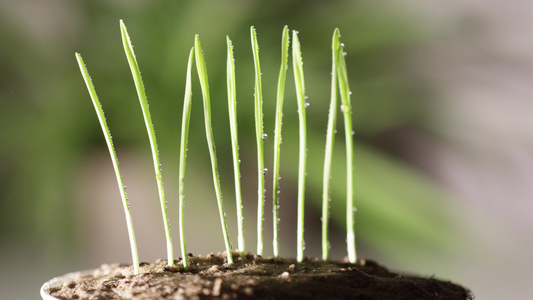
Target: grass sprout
330	139
277	138
346	109
183	155
136	73
339	86
302	163
114	159
202	74
232	109
260	138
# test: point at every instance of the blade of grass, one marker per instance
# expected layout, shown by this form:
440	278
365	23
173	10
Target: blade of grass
202	74
330	139
302	164
183	155
345	93
277	137
232	108
260	137
114	159
136	73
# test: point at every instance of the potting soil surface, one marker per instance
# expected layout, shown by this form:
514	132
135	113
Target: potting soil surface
251	277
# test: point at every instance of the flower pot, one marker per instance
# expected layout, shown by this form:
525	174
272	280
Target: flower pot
58	282
250	277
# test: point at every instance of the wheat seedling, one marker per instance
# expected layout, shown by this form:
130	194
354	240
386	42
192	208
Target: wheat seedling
302	164
136	73
114	159
202	74
277	139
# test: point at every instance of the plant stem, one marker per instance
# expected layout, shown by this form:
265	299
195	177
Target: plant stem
114	159
300	94
202	74
348	133
232	108
277	137
330	139
183	155
260	137
136	73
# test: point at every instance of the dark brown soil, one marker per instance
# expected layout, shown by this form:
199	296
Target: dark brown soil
252	277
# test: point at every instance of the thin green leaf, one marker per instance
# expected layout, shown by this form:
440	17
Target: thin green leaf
348	131
202	74
183	155
114	159
302	164
330	139
277	137
260	137
232	108
136	73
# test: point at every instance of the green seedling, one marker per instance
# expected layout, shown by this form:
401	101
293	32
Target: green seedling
330	139
297	64
183	155
232	109
346	109
114	159
339	85
136	73
202	74
277	138
339	74
260	138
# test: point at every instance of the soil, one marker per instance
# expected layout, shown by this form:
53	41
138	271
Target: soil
251	277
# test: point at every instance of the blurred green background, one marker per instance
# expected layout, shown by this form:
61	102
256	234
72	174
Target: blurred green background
420	187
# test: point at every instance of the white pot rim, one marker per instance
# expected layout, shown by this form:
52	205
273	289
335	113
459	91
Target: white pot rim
58	281
44	292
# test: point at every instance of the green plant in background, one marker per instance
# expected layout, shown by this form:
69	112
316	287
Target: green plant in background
136	73
114	159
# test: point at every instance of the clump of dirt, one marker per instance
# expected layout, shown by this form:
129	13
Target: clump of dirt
251	277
